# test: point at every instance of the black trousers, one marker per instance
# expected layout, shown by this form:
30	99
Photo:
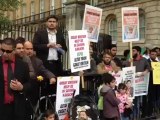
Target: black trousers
55	66
7	112
110	119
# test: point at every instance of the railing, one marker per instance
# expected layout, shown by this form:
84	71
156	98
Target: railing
39	17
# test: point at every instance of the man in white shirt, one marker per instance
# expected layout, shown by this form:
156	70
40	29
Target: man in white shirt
49	45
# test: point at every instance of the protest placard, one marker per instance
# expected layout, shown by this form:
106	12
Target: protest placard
156	72
66	87
129	76
141	85
92	21
79	50
130	24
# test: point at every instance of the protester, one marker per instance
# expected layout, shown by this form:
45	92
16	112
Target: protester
125	104
107	65
39	69
110	102
142	68
49	45
157	49
50	115
14	83
113	51
153	90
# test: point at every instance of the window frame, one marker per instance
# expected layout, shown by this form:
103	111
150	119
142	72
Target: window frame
114	30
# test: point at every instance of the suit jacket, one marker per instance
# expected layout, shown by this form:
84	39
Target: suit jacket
21	73
41	40
39	69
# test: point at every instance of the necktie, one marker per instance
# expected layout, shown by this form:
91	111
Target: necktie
10	75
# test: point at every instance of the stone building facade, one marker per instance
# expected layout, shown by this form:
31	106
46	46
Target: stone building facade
31	15
149	14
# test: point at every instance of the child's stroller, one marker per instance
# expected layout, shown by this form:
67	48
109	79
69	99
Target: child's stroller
82	106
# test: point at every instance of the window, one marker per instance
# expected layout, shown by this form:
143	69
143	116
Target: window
23	10
63	6
142	25
112	29
42	8
52	7
32	10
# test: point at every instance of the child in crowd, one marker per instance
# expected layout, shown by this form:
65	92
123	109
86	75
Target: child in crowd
82	112
125	105
50	115
110	102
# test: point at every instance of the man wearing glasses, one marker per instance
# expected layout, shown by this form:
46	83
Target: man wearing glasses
14	84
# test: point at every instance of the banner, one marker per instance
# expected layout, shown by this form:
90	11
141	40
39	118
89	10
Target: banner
66	86
141	85
118	77
156	72
92	21
130	24
79	50
129	76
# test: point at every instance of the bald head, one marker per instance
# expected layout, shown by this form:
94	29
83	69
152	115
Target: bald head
28	48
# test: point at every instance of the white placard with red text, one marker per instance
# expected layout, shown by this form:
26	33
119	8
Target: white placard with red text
129	76
92	21
141	85
130	24
65	89
79	50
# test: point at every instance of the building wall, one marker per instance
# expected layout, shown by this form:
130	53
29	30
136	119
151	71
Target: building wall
151	10
152	23
27	3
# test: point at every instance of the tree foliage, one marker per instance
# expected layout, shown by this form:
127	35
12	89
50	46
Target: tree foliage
7	6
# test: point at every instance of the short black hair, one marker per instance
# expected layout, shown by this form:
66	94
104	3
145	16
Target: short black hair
18	42
52	16
9	41
138	48
112	46
20	39
156	48
107	78
153	50
121	86
126	53
50	112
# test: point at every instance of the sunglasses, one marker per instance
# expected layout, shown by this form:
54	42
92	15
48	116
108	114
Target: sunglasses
7	51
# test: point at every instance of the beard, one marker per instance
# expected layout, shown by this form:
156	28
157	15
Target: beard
135	56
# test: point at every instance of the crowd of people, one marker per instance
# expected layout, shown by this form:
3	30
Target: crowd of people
22	61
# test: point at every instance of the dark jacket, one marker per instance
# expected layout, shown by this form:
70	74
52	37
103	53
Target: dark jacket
41	40
39	70
21	73
110	103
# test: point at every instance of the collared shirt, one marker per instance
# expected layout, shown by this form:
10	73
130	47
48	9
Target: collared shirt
52	55
8	98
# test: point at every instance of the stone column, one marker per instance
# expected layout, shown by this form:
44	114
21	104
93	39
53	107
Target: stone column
74	20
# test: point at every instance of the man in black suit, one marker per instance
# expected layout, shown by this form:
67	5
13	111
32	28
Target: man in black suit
36	68
14	83
49	45
153	90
